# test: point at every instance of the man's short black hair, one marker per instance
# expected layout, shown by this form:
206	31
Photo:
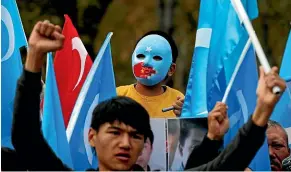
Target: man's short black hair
187	124
124	110
168	38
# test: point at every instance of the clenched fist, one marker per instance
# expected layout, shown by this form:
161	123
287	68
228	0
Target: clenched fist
266	99
218	122
45	37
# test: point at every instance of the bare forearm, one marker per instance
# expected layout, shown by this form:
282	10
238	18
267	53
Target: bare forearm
262	114
34	61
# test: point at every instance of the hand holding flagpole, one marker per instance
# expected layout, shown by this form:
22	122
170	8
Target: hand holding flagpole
261	55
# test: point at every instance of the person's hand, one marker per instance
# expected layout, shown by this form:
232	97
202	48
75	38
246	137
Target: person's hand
218	122
178	105
265	96
248	169
266	99
45	37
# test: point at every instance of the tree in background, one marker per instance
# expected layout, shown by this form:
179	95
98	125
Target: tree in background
166	15
130	19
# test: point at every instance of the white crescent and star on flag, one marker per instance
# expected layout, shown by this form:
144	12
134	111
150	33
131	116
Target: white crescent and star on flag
86	129
79	46
7	20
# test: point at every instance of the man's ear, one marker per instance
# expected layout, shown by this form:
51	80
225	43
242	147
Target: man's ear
172	69
92	137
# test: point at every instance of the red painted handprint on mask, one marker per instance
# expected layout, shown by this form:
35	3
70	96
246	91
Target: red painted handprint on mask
142	71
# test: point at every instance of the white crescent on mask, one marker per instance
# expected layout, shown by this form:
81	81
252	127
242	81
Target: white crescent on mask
79	46
86	129
7	20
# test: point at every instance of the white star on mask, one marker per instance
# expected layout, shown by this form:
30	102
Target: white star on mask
149	49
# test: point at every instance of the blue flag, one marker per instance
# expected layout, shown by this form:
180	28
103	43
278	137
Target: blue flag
242	101
228	40
99	86
228	32
219	32
12	38
282	112
285	70
53	126
195	104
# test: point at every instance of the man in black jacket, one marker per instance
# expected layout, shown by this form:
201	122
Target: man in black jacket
191	134
119	126
277	138
10	160
239	153
208	149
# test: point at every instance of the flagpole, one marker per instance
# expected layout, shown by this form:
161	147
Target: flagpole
240	60
261	55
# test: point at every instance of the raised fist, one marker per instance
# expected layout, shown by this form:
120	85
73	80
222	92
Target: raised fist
265	96
45	37
218	122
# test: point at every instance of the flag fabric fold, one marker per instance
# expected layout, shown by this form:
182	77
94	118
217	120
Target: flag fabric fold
53	126
220	40
282	112
12	39
99	86
195	104
242	102
228	34
72	64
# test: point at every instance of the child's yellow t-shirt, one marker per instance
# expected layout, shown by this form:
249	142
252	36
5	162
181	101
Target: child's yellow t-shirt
153	104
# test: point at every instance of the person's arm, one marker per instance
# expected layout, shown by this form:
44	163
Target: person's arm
10	161
240	152
206	151
27	137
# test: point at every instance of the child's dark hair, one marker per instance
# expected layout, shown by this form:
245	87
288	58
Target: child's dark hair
124	110
168	38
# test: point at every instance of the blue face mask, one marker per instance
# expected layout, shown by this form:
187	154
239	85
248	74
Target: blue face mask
151	60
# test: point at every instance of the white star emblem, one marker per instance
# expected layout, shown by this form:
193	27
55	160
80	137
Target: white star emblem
149	49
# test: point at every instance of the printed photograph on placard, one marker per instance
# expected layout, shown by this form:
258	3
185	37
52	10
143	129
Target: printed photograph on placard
153	157
183	135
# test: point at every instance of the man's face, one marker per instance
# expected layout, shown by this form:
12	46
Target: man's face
144	158
194	137
117	145
278	147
